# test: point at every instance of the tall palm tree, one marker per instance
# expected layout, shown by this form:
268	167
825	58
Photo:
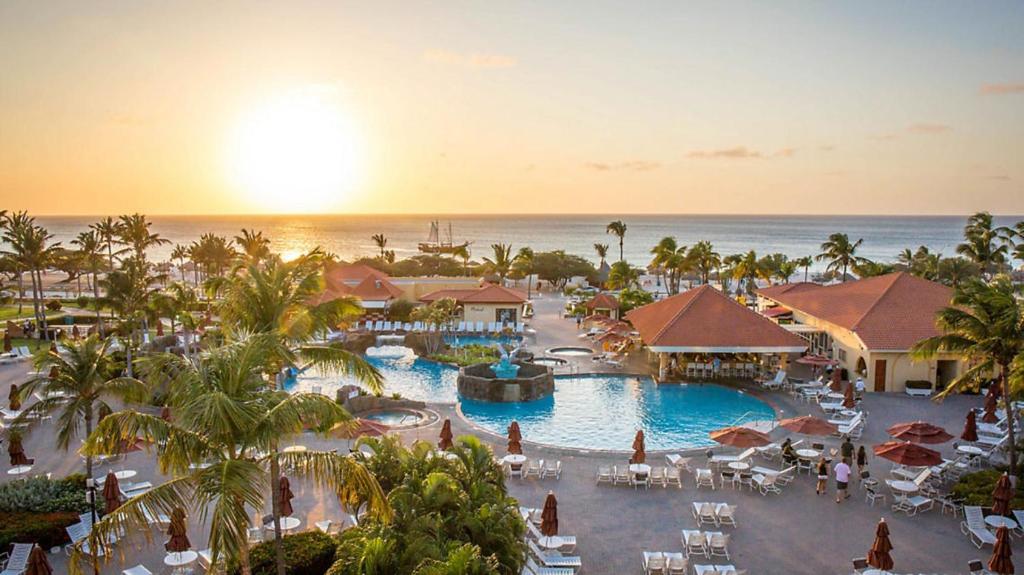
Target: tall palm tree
462	252
840	253
805	262
30	247
670	260
952	271
623	276
13	226
382	242
90	246
134	232
983	243
254	245
109	231
180	254
984	323
501	262
128	293
747	268
602	252
77	384
704	259
524	263
225	417
618	228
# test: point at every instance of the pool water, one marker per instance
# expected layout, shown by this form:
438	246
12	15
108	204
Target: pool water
463	340
604	412
412	377
394	418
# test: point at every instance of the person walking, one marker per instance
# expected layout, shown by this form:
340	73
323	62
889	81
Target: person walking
846	449
822	477
842	471
862	460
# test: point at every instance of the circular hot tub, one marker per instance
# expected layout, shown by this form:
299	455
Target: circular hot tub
571	351
396	417
549	361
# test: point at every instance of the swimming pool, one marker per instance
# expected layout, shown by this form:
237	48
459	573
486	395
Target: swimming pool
408	375
604	412
462	340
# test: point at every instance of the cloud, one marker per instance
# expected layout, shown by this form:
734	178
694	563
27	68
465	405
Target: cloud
1001	89
473	61
1000	178
737	153
928	128
785	153
631	166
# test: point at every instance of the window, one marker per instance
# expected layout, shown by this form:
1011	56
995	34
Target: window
842	354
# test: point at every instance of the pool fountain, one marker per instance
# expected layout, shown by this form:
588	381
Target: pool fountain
505	369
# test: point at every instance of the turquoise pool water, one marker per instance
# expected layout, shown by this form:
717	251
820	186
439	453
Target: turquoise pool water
461	340
604	412
408	375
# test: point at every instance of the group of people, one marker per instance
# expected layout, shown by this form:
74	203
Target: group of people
841	471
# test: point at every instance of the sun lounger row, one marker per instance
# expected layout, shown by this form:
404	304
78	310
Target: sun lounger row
620	475
20	353
707	370
716	514
538	468
462	327
707	544
664	563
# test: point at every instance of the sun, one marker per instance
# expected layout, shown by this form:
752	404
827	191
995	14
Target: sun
295	153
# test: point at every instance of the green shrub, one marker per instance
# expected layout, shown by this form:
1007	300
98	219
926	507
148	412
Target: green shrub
45	529
976	489
399	310
53	305
306	553
42	495
470	354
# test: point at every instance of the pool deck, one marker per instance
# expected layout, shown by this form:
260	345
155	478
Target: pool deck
795	532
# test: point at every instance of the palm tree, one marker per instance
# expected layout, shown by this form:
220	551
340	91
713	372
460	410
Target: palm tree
704	259
90	247
501	263
462	252
602	252
524	263
382	241
128	293
77	384
14	226
623	276
952	271
984	324
109	232
746	268
133	232
30	247
618	228
670	260
983	244
225	417
805	262
180	254
840	253
252	243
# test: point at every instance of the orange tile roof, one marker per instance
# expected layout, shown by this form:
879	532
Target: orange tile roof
705	319
889	312
603	301
489	293
774	290
351	273
376	289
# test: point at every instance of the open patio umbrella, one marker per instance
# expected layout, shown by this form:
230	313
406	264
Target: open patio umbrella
849	402
742	437
138	444
111	493
446	435
38	564
639	456
17	451
1000	562
919	432
909	454
7	342
837	381
165	413
514	439
816	361
970	432
1001	496
549	516
808	425
358	428
878	555
991	404
14	398
178	541
285	496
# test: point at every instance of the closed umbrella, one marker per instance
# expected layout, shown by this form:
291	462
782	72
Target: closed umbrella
165	413
159	329
991	404
53	372
178	541
446	435
909	454
285	496
1001	496
742	437
7	342
808	425
15	399
919	432
549	516
514	439
1000	562
38	564
639	456
75	334
111	493
837	381
849	402
878	555
17	451
970	432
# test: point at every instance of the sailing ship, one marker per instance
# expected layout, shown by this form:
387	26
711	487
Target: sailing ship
436	245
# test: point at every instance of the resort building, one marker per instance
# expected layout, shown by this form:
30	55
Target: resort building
868	326
376	289
603	304
488	303
705	322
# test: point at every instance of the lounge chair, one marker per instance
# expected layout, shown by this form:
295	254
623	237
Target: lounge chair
777	382
870	495
722	459
718	544
137	570
704	478
621	476
378	325
653	562
553	559
520	328
673	476
657	476
694	543
568	542
726	514
678	461
974	527
705	513
533	467
535	569
676	564
479	327
766	484
604	474
914	505
18	560
551	468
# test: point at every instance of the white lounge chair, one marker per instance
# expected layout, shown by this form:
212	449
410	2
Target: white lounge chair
704	478
533	467
535	569
676	564
704	512
568	542
604	474
520	328
673	476
137	570
18	560
378	325
678	461
479	327
653	562
462	327
718	544
621	476
777	382
766	484
553	558
974	527
551	468
694	543
726	514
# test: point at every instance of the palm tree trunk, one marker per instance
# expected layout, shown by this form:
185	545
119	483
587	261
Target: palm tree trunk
128	354
275	499
621	239
21	291
88	432
96	302
1011	441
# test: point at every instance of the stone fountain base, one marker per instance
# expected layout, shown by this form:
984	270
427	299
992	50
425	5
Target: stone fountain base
480	382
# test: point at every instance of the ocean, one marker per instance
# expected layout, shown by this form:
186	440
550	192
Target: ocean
349	236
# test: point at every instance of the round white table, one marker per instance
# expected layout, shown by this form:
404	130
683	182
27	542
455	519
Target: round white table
639	468
808	453
287	524
125	474
550	542
515	459
19	470
834	395
294	449
904	487
848	413
970	450
998	521
739	465
177	560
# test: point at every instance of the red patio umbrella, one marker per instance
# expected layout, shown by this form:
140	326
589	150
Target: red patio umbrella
879	555
816	361
1001	496
919	432
970	427
53	372
285	496
446	435
165	413
909	454
14	398
514	439
359	428
75	334
549	516
837	381
808	425
111	493
1000	562
991	405
742	437
639	456
159	329
849	402
178	541
17	451
7	342
38	564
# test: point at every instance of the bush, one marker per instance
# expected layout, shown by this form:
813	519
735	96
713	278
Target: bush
471	354
42	495
976	489
400	310
54	305
307	553
44	529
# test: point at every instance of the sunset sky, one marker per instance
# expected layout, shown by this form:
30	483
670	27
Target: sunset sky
595	107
